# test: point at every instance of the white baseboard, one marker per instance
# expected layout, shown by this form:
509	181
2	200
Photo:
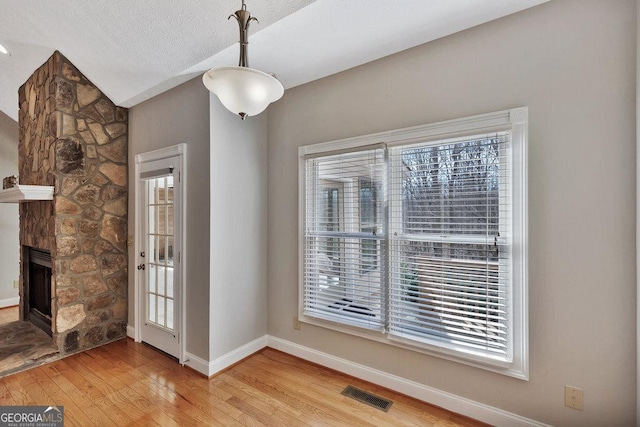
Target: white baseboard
226	360
131	332
452	402
196	363
9	302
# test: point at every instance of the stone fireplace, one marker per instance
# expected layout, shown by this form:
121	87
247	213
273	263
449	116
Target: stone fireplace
72	137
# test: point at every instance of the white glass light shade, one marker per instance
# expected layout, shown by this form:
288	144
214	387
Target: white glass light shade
242	90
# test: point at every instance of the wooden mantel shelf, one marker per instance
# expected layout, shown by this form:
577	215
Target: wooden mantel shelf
26	193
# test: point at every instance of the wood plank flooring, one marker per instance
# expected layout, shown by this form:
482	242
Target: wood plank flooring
126	383
9	314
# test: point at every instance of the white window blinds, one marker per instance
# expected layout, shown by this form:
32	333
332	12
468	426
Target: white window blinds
344	238
422	239
449	253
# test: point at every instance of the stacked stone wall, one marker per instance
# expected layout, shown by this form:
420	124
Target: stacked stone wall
37	134
74	138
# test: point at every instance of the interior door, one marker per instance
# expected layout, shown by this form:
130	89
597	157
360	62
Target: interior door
160	253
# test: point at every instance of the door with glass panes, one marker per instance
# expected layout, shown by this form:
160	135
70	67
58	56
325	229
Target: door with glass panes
160	255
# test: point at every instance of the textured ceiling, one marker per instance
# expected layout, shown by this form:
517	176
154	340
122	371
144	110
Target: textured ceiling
135	49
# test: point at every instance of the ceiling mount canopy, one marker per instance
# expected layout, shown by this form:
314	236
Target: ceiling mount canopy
242	90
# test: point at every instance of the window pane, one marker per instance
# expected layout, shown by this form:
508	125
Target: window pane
368	199
151	249
170	219
169	198
169	313
162	240
152	219
344	195
151	188
451	292
170	250
449	259
152	278
170	282
152	308
453	188
162	220
330	208
337	284
162	311
161	280
344	226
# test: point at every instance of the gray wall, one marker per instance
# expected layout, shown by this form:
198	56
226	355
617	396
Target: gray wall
180	115
238	304
572	62
9	218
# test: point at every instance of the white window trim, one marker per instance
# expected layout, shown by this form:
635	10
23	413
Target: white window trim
514	120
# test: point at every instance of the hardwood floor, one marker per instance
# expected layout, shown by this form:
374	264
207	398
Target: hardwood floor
125	383
9	314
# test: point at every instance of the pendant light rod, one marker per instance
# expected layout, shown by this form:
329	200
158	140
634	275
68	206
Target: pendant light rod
244	18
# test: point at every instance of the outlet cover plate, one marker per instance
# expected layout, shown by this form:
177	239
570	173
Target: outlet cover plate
573	397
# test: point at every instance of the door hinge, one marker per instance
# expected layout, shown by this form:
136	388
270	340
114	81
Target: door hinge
180	176
179	256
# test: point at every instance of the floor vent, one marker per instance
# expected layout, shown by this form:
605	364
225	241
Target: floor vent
367	398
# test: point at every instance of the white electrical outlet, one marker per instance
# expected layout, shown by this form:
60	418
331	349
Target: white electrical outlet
296	323
573	397
16	284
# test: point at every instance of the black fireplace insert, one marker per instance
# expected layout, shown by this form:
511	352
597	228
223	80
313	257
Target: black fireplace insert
39	288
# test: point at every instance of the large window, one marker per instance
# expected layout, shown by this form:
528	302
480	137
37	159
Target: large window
419	239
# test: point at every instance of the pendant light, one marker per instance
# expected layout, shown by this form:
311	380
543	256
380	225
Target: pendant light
242	90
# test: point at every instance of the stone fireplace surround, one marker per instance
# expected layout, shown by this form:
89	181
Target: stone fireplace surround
72	137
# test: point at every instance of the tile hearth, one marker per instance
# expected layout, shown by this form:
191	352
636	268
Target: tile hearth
23	345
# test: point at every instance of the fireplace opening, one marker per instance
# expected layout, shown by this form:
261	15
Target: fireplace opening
38	289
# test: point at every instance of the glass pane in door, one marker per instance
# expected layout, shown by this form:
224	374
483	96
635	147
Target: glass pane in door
160	292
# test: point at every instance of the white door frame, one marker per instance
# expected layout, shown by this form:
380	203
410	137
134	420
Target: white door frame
179	151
